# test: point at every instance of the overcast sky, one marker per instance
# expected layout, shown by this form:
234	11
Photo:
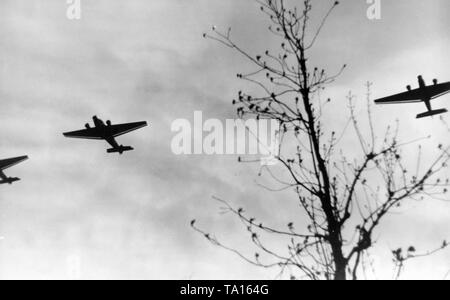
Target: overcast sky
128	217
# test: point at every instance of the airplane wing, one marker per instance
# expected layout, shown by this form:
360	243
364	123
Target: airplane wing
8	163
98	134
121	129
90	134
439	90
407	97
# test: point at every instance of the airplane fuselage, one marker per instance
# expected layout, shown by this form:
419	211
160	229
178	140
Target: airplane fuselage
425	96
108	136
99	124
422	83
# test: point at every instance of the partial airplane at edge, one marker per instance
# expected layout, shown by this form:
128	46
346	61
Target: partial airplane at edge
8	163
423	94
107	132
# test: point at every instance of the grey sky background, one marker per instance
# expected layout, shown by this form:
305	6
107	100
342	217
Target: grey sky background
128	217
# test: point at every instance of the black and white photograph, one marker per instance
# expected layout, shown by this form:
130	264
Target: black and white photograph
224	141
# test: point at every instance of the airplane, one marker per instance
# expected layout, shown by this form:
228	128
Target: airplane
8	163
107	132
423	94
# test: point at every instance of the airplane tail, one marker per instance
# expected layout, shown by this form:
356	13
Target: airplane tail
120	149
9	180
432	113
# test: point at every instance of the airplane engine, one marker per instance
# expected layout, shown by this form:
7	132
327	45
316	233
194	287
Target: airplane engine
435	81
408	87
88	126
108	123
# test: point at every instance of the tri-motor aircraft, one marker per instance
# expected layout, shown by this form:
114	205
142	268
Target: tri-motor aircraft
423	94
107	132
8	163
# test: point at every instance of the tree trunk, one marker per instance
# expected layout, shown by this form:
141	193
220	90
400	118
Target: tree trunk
334	228
340	273
340	263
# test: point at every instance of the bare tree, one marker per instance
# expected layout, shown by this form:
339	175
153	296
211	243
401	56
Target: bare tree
344	199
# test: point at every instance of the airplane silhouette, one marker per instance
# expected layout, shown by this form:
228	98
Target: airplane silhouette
423	94
8	163
107	132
